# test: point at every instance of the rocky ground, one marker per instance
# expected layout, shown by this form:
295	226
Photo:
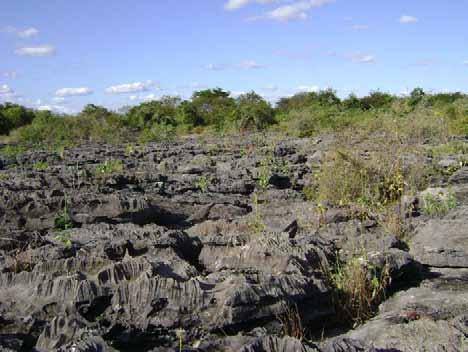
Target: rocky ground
211	246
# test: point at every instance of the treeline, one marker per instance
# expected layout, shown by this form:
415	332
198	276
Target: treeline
216	111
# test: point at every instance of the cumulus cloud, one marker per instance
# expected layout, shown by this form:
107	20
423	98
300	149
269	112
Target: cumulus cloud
295	11
43	50
308	89
237	4
28	33
362	58
406	19
134	87
69	92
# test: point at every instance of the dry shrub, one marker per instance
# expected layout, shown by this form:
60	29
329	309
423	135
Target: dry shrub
348	178
373	170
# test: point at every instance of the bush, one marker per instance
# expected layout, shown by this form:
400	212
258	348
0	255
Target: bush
154	112
438	205
357	287
13	116
252	112
158	133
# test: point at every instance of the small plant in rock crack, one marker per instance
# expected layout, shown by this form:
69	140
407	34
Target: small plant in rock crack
180	333
63	220
109	167
65	238
40	166
438	205
357	287
256	224
202	184
264	174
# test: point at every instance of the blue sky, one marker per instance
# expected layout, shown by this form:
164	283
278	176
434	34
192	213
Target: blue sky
64	54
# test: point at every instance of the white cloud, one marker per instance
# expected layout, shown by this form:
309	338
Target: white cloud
5	90
250	65
362	58
237	4
465	62
44	50
27	33
58	99
69	92
295	11
406	19
134	87
7	94
55	108
308	89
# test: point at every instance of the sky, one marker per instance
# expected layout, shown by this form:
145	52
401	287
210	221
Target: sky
61	55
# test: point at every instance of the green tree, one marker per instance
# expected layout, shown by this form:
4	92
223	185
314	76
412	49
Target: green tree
213	106
162	111
416	96
376	100
253	112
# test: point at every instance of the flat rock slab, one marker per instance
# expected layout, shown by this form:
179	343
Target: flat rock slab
443	242
431	317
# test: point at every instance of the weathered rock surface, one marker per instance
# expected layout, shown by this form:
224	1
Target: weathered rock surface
198	242
443	242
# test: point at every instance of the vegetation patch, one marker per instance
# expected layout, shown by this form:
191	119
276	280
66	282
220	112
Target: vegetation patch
357	287
109	167
438	204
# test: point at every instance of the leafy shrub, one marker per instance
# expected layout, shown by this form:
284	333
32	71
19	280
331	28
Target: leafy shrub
157	133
